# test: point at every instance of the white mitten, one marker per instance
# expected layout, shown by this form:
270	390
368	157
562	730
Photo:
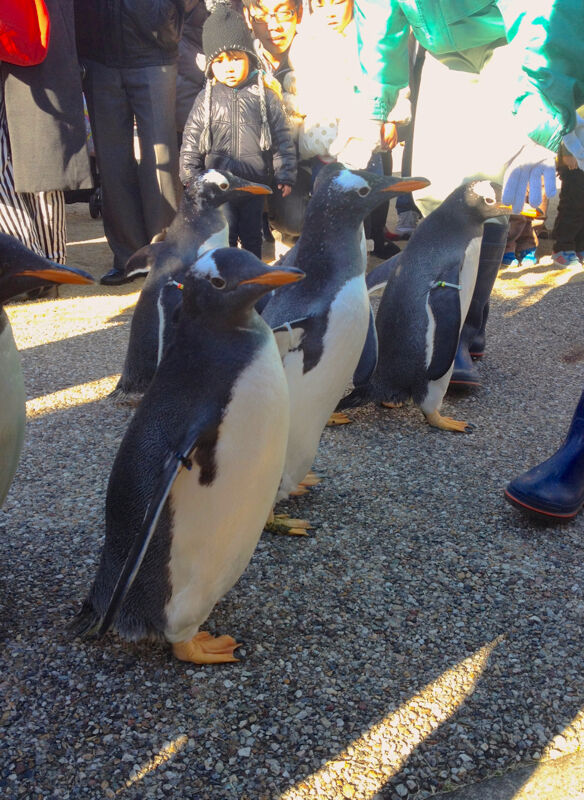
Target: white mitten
525	172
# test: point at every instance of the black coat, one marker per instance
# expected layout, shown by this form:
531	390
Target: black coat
44	111
190	79
235	130
130	33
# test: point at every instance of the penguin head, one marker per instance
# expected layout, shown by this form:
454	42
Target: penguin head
229	280
483	198
358	191
22	270
217	186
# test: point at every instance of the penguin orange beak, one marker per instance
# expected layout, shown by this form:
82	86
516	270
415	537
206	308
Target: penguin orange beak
277	277
526	211
57	275
407	185
253	188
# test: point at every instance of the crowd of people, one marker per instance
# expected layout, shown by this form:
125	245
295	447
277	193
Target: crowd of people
272	90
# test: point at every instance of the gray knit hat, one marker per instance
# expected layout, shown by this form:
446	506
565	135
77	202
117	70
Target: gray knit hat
225	30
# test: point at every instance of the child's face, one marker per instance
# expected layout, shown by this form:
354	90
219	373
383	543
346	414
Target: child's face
336	13
231	67
273	22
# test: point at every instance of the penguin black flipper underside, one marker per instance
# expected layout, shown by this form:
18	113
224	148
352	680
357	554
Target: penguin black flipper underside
444	305
203	435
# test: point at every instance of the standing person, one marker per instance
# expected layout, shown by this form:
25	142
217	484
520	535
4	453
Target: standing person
568	231
129	50
327	102
498	91
43	148
238	123
274	25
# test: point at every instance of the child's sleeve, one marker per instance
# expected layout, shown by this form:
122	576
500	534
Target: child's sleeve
192	160
283	147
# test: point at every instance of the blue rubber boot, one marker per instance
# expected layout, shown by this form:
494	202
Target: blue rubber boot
472	335
554	489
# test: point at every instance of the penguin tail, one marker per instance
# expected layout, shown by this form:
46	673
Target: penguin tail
360	396
85	623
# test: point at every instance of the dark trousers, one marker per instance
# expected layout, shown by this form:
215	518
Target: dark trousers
521	234
568	232
139	196
245	223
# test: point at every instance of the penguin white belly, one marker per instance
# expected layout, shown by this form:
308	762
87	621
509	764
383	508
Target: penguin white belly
216	527
12	408
315	394
468	277
218	239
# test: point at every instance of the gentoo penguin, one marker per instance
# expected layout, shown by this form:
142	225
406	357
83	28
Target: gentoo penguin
321	323
425	301
198	468
199	225
20	271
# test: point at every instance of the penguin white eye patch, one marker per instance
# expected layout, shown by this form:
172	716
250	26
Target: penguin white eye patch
486	191
215	177
205	267
348	182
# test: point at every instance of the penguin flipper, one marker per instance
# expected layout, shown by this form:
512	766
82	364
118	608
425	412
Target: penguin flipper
203	430
444	305
141	262
378	277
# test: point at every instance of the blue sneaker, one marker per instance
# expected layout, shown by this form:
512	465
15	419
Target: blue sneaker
509	260
527	258
566	258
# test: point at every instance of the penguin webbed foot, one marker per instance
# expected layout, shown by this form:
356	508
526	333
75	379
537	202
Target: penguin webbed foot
436	420
311	479
204	648
121	397
392	403
285	525
338	418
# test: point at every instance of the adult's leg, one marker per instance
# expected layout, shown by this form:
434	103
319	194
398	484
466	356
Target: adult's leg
112	123
570	210
152	92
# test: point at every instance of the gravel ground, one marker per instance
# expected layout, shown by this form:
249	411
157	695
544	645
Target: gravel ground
423	637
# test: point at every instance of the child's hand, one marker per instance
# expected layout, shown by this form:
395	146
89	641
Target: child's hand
285	189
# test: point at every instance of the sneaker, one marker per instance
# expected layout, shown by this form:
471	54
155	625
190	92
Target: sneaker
509	260
566	258
580	254
391	237
527	258
406	222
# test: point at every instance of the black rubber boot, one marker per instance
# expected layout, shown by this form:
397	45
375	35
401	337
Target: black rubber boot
465	372
554	489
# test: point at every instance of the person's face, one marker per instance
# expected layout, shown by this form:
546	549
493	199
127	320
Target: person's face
336	13
230	68
273	22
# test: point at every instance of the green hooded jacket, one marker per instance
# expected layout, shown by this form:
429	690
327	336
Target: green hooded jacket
463	34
